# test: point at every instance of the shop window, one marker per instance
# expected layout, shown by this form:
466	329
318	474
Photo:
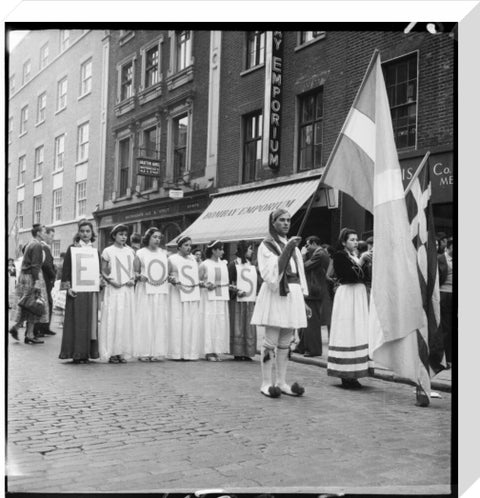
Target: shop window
255	48
310	141
252	146
401	78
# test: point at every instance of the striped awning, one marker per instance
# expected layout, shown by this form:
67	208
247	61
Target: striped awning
244	215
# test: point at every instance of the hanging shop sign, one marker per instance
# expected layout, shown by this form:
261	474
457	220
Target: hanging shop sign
148	167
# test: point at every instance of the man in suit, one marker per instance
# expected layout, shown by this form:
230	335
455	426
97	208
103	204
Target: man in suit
316	262
49	274
445	271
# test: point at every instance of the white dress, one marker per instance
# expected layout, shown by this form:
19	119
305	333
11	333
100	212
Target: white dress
151	323
117	323
184	320
272	309
214	315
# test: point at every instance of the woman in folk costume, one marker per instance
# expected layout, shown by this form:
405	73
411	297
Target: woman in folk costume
243	335
117	319
280	305
214	319
348	346
151	298
184	321
80	324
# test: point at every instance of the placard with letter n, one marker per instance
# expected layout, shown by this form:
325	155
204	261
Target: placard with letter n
85	269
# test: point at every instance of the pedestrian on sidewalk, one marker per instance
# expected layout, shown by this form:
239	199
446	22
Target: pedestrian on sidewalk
280	305
117	316
184	322
445	270
243	335
348	345
80	324
151	298
214	334
316	263
31	282
12	283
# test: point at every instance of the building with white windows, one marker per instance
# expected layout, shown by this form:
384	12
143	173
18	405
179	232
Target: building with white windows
56	133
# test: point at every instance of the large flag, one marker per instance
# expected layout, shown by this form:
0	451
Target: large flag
422	231
364	164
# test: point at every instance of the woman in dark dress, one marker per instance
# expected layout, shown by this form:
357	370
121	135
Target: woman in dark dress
80	326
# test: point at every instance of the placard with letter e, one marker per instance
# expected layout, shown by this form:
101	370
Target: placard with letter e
247	282
156	270
188	277
218	275
85	269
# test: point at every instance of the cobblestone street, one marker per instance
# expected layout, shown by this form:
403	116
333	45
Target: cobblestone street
178	425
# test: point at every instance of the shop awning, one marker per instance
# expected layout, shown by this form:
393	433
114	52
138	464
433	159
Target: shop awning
244	215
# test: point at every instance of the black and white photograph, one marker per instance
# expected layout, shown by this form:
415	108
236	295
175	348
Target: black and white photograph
231	256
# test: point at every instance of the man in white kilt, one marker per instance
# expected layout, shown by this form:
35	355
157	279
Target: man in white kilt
280	305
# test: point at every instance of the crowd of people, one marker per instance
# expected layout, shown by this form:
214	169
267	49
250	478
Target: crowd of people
198	306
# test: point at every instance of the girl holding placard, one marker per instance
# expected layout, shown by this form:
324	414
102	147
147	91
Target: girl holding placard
151	298
243	284
184	298
80	324
117	320
214	317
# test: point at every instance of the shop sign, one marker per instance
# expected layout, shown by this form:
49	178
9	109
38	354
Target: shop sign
148	167
441	175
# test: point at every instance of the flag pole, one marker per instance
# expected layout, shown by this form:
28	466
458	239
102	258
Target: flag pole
419	170
337	141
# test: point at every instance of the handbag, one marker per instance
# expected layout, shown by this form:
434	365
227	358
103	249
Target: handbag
33	304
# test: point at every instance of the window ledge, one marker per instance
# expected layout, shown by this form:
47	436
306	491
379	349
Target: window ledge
126	37
125	106
181	78
60	170
22	185
38	123
39	178
311	42
150	93
252	69
82	161
22	134
80	97
58	111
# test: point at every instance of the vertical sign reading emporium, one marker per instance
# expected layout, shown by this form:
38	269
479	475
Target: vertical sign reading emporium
272	118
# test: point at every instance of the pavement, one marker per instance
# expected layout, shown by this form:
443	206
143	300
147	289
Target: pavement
178	426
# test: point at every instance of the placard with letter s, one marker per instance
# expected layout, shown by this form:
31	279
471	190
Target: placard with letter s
247	282
85	269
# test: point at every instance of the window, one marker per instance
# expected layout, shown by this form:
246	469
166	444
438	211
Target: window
41	107
148	149
10	129
27	67
64	39
43	56
56	248
38	166
401	82
255	48
151	67
180	141
11	84
23	120
124	165
22	166
59	153
37	209
308	36
82	142
62	87
126	81
252	147
86	77
310	131
20	214
57	204
81	198
183	43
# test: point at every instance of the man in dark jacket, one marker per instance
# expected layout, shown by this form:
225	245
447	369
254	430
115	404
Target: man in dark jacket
49	274
316	262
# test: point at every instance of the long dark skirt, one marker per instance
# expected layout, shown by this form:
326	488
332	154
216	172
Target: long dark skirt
311	337
80	327
243	336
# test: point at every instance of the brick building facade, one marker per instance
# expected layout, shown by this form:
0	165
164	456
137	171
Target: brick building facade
54	130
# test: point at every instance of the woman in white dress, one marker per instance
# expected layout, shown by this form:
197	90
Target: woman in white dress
151	298
117	318
214	317
184	320
348	344
280	305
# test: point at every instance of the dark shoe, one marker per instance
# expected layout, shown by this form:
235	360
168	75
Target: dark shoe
39	334
308	355
272	392
14	333
238	358
113	359
354	384
49	332
33	341
246	358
